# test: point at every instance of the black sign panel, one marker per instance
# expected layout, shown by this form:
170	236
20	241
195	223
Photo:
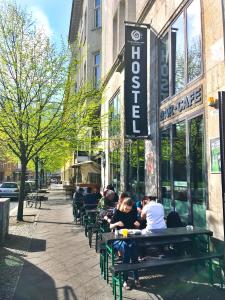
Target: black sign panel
135	87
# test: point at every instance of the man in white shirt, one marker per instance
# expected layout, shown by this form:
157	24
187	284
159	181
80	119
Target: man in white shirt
153	212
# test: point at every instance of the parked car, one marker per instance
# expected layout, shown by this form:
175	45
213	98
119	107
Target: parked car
30	186
9	190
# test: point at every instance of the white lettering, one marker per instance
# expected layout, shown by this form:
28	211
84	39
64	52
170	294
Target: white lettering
135	130
136	111
136	52
135	96
135	80
135	67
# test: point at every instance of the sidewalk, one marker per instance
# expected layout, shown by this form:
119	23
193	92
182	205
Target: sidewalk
48	258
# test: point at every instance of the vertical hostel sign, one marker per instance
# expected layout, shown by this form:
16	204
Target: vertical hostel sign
135	87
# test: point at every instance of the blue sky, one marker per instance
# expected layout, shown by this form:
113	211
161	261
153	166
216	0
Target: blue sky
53	15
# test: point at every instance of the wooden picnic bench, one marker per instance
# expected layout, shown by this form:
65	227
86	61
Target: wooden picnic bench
118	270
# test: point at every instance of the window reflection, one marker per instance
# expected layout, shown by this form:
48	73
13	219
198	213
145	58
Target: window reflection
178	53
197	162
164	68
179	162
114	158
114	116
194	40
135	154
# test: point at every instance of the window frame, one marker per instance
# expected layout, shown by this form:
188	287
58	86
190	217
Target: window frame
97	11
172	92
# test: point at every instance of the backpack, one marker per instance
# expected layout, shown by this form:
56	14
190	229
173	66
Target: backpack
173	220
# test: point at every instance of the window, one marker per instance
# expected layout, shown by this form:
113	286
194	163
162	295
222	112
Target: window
114	116
97	14
114	158
97	70
183	169
135	158
180	56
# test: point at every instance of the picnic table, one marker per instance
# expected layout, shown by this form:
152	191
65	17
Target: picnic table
160	237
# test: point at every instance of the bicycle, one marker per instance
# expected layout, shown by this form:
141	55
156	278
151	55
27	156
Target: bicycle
33	200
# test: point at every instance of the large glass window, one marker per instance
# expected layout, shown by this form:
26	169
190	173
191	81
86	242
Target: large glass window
97	14
183	169
193	40
135	155
179	161
114	158
114	116
180	55
166	168
197	160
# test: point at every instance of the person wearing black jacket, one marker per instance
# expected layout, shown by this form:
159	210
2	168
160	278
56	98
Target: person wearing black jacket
125	218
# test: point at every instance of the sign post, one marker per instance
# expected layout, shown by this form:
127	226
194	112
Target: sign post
135	91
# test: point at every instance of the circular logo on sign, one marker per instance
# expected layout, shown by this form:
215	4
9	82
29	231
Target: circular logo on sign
136	35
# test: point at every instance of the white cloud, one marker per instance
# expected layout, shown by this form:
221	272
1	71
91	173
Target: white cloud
42	21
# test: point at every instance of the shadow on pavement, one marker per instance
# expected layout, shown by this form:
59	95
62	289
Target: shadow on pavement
68	293
52	222
27	280
18	242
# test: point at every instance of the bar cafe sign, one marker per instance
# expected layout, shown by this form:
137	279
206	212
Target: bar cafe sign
190	100
135	86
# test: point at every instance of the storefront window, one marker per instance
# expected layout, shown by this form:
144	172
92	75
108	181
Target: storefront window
114	157
179	161
135	169
114	116
183	170
180	55
165	168
197	161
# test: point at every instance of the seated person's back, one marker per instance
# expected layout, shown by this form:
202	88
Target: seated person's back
154	214
90	199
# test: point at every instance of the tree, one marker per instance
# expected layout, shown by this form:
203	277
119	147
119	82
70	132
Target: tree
32	83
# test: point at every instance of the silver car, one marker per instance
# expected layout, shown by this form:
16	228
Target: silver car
9	190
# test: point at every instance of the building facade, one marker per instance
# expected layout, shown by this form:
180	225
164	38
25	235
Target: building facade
85	47
180	161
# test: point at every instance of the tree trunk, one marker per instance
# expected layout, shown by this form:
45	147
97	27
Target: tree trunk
36	173
22	190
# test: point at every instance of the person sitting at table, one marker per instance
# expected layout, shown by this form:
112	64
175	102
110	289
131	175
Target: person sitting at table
122	196
91	199
124	218
78	201
153	213
106	201
111	188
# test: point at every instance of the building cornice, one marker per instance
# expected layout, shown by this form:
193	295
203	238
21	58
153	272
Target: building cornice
75	20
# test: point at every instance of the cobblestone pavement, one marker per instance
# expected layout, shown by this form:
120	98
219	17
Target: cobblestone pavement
48	258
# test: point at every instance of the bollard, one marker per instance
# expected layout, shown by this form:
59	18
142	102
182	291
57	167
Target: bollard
4	218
